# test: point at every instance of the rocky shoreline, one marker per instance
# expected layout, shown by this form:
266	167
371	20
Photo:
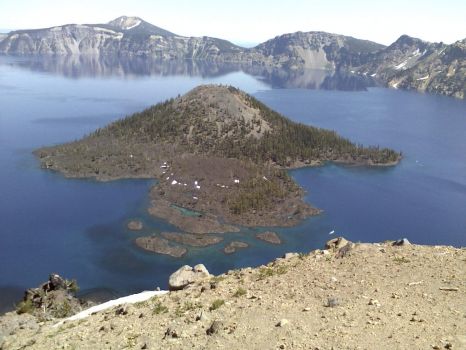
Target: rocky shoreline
160	245
391	295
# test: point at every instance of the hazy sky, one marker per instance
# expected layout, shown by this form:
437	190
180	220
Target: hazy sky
254	21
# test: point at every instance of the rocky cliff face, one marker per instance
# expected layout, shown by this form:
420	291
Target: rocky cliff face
131	36
123	36
411	63
408	63
315	50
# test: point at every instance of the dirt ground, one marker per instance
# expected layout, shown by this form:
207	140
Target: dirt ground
371	296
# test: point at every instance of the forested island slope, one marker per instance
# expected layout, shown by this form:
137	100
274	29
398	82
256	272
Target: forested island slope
216	151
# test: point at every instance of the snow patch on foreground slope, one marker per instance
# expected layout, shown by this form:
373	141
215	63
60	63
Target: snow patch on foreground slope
130	299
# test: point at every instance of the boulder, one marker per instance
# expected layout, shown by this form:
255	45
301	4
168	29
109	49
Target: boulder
401	242
336	243
290	256
215	327
56	282
187	275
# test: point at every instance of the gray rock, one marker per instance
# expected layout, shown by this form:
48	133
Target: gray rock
171	333
345	250
282	323
215	327
401	242
202	317
290	255
332	302
336	243
187	275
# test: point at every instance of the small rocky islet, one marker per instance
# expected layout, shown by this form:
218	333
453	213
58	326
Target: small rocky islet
220	157
233	246
270	237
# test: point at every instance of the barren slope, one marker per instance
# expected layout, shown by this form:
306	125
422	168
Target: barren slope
376	296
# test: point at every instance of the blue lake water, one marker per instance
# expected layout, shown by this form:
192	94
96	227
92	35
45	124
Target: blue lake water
78	227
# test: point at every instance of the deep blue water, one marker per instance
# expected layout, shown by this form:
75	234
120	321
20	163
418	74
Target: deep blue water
78	227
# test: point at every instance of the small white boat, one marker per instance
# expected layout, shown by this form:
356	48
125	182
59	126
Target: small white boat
331	232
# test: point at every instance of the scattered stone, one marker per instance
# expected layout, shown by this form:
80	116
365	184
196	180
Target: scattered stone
123	310
401	242
374	302
307	309
202	317
172	333
332	302
135	225
215	327
187	275
234	246
270	237
283	322
345	250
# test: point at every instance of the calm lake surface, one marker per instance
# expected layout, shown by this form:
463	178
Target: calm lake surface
77	228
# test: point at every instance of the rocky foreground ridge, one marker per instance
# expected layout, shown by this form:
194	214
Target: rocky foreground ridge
408	63
392	295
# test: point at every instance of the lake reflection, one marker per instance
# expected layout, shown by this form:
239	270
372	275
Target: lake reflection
132	67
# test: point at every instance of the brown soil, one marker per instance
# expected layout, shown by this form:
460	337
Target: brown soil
376	296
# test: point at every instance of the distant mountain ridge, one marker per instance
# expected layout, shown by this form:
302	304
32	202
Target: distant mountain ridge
408	63
411	63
